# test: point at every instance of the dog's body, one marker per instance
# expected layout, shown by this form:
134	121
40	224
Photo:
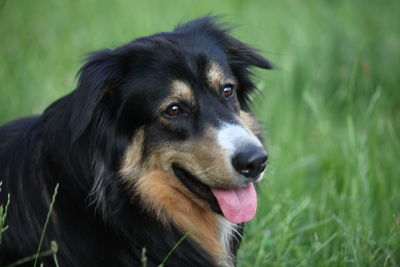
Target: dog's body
156	141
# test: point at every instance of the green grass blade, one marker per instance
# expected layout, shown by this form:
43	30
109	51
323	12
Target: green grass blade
176	245
45	224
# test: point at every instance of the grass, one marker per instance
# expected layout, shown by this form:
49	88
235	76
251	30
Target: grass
52	251
331	109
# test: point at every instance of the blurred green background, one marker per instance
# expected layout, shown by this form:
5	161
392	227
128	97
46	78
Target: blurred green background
331	109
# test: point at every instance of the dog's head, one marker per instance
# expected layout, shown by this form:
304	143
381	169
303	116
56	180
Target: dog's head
175	105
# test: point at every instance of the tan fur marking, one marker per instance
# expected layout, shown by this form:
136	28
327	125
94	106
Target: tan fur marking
133	155
201	157
215	76
180	91
248	120
169	200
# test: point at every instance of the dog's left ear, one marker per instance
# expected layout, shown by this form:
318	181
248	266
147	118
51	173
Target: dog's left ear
236	51
241	57
240	53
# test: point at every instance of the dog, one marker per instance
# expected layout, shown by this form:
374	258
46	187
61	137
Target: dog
155	153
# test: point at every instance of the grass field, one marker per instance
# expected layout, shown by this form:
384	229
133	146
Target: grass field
331	109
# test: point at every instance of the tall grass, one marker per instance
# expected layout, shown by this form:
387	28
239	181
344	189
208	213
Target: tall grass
331	109
39	254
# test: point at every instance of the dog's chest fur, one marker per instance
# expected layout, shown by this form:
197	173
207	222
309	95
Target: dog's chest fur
228	232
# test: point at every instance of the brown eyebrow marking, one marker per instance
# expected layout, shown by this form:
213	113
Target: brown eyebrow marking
216	77
179	91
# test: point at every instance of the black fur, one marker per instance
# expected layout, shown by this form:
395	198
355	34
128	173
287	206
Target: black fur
78	142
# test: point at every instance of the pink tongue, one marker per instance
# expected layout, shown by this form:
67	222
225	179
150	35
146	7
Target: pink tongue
237	205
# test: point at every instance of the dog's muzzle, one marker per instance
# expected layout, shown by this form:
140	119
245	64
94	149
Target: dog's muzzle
243	151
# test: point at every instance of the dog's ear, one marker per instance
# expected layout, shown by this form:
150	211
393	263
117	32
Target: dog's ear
237	51
241	57
240	53
101	74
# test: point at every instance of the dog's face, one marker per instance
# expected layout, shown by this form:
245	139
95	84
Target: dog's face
180	101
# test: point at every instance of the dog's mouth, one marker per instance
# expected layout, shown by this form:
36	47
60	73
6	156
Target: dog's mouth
198	188
237	205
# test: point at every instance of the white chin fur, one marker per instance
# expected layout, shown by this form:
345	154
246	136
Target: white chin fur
228	231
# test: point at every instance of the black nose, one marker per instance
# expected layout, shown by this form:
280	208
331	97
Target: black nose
250	162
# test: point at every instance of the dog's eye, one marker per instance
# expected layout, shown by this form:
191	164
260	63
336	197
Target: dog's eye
173	110
228	90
